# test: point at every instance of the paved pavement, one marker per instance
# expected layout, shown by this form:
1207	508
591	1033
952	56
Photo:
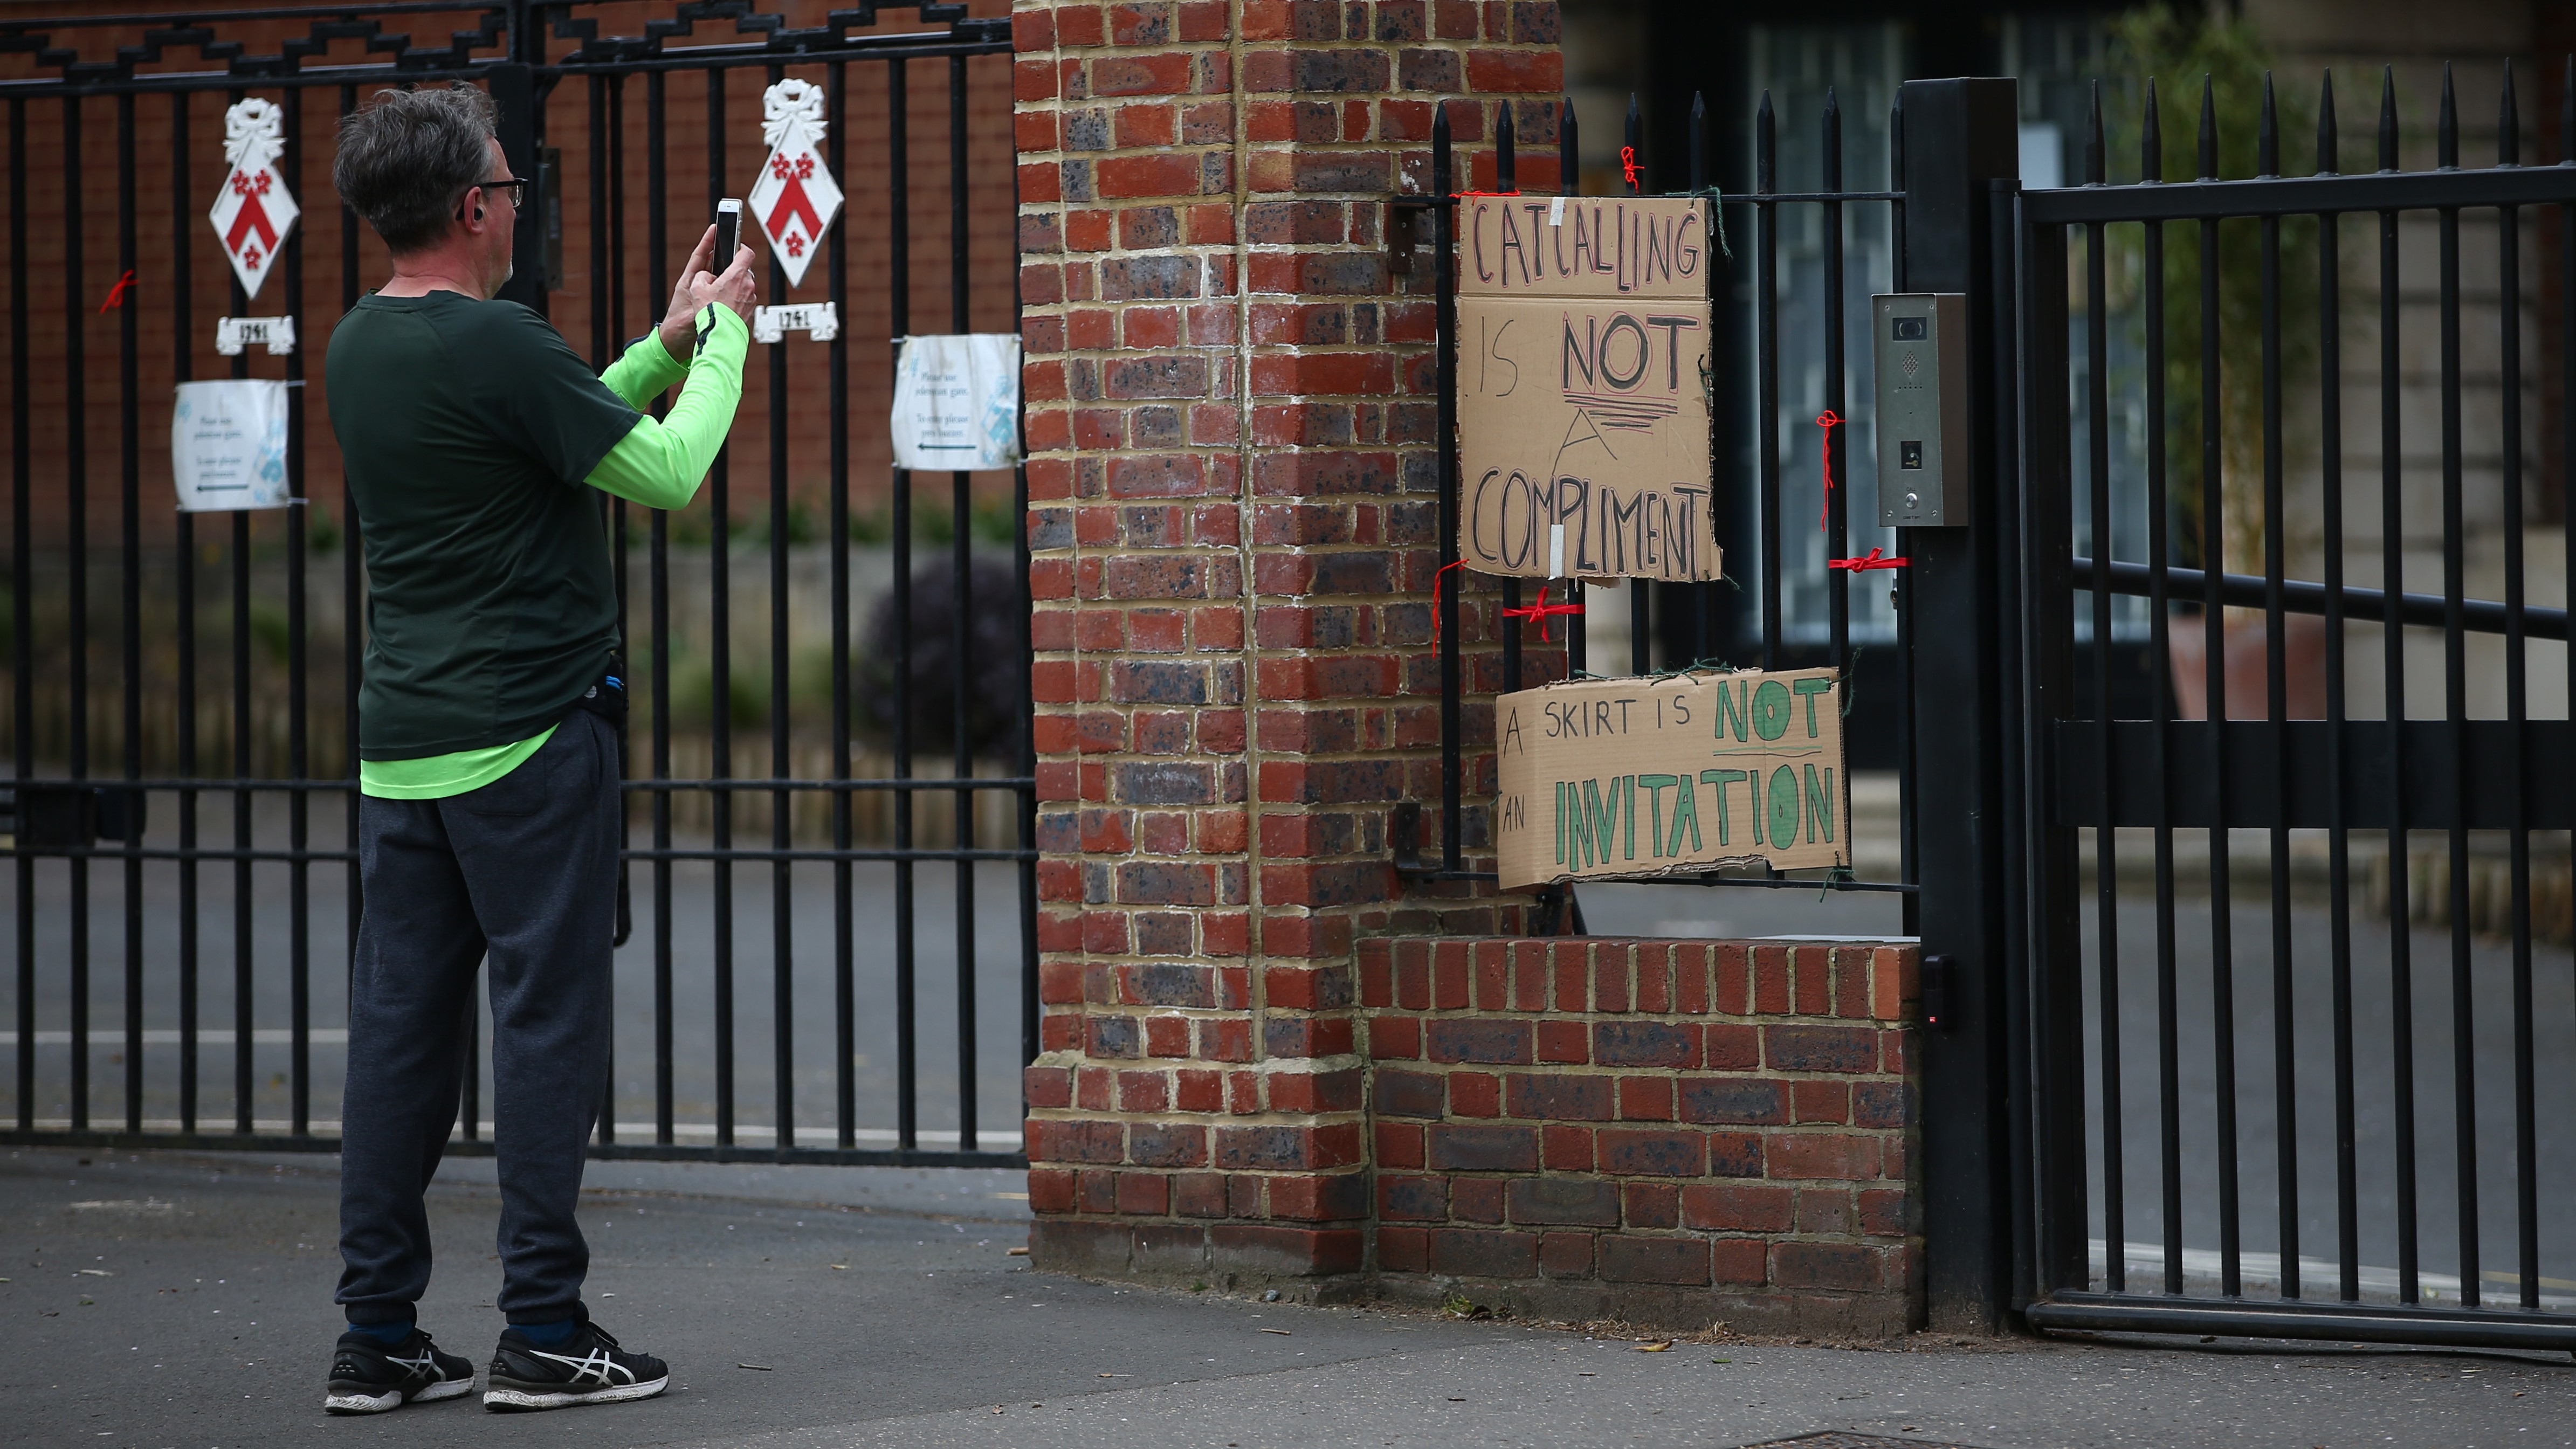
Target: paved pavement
168	1301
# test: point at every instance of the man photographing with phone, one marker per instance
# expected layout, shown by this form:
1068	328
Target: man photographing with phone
473	438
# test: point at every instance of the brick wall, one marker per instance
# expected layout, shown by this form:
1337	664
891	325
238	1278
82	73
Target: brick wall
1232	507
1678	1132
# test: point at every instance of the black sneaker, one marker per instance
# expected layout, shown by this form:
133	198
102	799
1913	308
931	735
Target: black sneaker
587	1368
369	1378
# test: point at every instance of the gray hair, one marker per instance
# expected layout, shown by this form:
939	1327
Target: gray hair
406	159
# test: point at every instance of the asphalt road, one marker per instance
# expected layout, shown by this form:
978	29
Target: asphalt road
2449	1187
876	970
166	1301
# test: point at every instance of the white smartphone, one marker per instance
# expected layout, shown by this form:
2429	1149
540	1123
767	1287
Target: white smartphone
728	233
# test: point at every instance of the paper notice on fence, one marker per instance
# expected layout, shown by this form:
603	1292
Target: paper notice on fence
228	445
957	402
1625	779
1584	377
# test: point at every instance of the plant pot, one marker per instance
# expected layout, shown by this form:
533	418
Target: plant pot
2248	661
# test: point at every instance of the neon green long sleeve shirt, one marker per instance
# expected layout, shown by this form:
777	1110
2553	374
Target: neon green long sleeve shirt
659	464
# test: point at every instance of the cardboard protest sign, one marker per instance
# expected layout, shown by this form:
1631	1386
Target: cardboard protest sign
1584	357
1626	779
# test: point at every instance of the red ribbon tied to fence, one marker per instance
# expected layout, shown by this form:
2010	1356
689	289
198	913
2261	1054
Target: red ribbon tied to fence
793	203
1875	558
1862	565
1628	165
1828	420
1435	595
1540	612
116	294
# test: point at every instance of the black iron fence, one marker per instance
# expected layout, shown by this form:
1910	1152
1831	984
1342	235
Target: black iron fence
2319	1128
235	654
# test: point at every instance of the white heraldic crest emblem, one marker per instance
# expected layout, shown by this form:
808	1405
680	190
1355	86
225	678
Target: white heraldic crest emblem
795	198
253	210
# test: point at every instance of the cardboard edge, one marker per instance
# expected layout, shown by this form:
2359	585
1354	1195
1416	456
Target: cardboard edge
1681	872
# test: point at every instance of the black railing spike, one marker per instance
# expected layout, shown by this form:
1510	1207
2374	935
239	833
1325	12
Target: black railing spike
1633	138
2267	136
1506	167
2388	118
2508	124
1569	152
2208	129
1765	145
2093	138
1440	153
2327	142
1698	142
2567	113
1896	144
1833	137
2446	131
2151	139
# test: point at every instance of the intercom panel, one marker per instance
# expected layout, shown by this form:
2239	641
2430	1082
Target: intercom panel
1921	347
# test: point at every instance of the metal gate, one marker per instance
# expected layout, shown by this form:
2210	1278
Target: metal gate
2296	1094
2273	1126
184	895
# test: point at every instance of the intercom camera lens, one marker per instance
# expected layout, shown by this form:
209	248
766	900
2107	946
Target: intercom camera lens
1912	329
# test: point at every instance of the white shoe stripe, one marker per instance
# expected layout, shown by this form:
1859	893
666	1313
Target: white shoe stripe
594	1366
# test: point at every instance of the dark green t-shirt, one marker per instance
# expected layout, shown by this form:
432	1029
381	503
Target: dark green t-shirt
467	428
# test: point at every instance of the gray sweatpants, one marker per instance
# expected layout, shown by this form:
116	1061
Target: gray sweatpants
522	872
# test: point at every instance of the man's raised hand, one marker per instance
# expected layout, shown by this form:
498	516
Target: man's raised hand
735	289
679	321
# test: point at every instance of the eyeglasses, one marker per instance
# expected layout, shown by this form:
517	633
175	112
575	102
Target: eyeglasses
516	186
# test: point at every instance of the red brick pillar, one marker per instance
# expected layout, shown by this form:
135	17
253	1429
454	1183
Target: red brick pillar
1232	525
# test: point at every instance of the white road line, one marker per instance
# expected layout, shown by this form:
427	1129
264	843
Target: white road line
2202	1267
215	1036
687	1134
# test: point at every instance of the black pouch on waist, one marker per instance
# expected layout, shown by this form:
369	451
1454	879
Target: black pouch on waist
607	698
